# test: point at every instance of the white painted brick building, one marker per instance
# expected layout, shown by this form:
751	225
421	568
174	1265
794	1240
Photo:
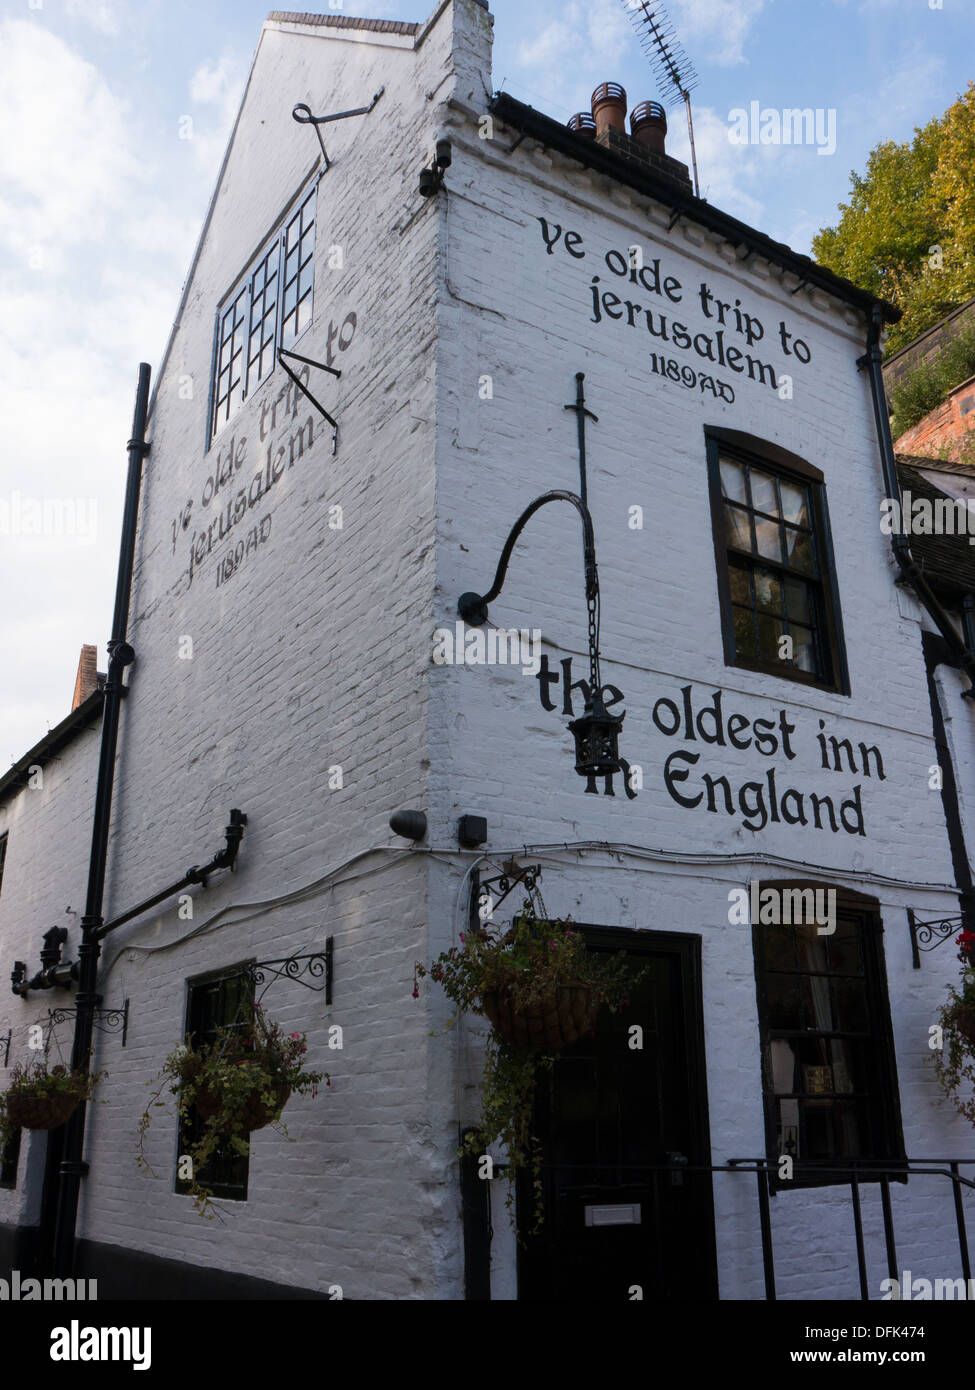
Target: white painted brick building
310	584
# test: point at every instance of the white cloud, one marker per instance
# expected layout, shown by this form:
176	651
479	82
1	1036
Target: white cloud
115	246
220	86
715	31
888	111
63	173
730	174
100	14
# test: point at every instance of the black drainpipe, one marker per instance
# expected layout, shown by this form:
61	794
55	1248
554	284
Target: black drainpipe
961	654
934	654
73	1169
950	649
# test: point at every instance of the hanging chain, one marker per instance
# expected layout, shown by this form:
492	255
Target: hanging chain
594	676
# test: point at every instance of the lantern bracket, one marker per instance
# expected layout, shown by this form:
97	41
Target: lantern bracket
473	608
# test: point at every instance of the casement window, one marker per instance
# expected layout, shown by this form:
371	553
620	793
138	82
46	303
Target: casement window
269	307
3	856
828	1067
214	1002
779	603
9	1160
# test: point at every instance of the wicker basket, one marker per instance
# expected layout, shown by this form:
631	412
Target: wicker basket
257	1114
964	1018
41	1112
555	1021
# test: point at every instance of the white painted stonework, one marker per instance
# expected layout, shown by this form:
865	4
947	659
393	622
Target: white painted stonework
314	653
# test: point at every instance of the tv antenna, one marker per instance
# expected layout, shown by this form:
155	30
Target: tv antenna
676	78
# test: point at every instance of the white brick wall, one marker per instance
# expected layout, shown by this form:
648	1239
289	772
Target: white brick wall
317	653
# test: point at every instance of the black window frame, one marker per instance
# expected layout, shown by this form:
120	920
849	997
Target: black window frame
215	1000
3	854
237	322
771	458
10	1161
883	1094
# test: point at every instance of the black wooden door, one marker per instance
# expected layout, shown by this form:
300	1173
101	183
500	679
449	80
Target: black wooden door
616	1225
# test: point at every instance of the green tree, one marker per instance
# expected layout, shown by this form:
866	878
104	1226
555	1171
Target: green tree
908	231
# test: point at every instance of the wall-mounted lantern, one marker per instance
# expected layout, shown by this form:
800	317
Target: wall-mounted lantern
596	733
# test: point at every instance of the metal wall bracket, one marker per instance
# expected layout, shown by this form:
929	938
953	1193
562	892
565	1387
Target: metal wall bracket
317	966
309	362
105	1020
483	889
927	935
303	115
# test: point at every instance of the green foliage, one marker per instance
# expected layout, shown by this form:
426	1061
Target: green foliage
931	382
32	1079
525	964
247	1070
954	1065
907	233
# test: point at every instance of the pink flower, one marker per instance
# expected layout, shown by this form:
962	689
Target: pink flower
296	1036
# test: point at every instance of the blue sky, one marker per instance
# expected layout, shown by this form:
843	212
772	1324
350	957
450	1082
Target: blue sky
101	202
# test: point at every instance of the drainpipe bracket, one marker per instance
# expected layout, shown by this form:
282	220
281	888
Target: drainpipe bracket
79	1169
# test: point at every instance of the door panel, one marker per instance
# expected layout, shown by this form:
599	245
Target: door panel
606	1113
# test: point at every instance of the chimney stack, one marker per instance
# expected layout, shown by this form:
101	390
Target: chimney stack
609	108
648	124
89	678
584	125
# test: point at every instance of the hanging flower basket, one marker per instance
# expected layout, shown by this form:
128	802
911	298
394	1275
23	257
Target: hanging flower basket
42	1112
541	988
237	1083
554	1021
40	1099
954	1061
963	1017
256	1112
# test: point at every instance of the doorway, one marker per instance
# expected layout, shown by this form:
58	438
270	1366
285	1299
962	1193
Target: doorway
622	1117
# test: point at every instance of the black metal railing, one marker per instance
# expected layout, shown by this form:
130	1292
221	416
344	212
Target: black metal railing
804	1176
856	1173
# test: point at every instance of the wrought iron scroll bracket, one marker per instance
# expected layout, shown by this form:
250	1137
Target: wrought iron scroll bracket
282	354
303	115
928	935
317	967
503	884
105	1020
5	1044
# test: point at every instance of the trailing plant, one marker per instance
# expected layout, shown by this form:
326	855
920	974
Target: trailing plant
33	1082
519	974
954	1064
932	382
225	1089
